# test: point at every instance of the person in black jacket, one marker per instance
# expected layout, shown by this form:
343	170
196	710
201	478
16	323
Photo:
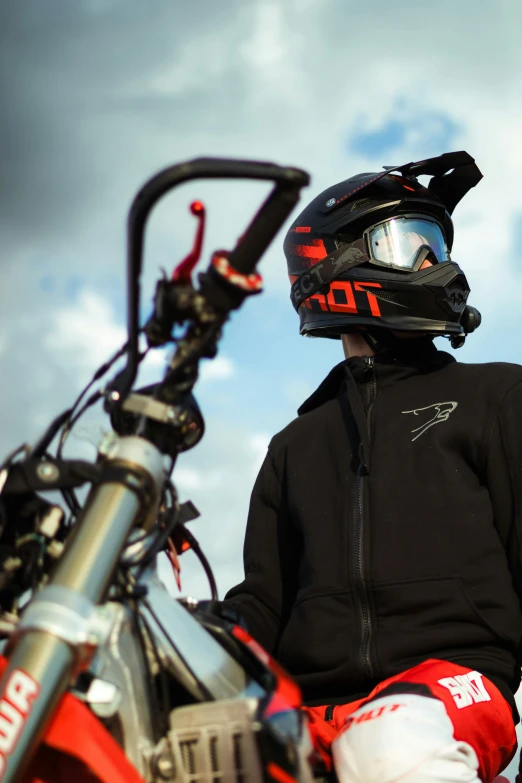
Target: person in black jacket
382	551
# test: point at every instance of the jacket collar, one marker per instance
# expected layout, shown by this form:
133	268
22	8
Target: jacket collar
407	358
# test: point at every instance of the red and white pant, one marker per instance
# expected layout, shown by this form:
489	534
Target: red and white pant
435	722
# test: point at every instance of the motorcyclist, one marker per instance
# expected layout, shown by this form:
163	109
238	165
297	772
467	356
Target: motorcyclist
382	551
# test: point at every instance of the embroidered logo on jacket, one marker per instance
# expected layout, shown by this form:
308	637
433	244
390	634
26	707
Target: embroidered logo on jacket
439	412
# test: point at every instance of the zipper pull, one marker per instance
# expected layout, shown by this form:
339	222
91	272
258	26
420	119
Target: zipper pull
369	366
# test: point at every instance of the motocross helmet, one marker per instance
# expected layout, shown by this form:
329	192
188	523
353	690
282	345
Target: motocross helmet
373	253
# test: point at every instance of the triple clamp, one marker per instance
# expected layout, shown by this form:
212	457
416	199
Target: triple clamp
69	616
153	409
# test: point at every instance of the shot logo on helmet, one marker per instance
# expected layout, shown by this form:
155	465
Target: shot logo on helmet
15	706
432	414
341	298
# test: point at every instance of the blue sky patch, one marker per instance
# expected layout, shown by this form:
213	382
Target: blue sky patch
375	143
516	244
47	283
74	285
410	131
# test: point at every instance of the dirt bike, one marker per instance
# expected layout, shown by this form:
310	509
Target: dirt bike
105	676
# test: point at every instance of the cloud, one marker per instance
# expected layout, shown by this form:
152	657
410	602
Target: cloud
266	45
86	331
188	479
72	96
218	369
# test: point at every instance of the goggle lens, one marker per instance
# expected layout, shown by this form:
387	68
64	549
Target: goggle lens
398	241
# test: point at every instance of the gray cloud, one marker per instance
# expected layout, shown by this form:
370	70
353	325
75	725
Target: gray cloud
71	78
99	93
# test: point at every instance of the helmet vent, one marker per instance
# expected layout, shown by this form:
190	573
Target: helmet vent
457	295
388	296
360	203
456	287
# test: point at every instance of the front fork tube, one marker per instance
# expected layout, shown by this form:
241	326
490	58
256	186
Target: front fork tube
57	628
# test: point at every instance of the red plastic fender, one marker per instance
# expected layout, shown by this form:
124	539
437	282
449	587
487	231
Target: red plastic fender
77	747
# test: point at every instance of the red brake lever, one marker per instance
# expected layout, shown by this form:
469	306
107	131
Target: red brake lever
183	271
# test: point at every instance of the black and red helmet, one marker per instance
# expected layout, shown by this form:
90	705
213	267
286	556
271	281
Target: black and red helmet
373	252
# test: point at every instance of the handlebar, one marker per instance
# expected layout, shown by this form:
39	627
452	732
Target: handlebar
249	249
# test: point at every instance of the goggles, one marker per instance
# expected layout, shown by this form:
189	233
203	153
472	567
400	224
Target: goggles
405	242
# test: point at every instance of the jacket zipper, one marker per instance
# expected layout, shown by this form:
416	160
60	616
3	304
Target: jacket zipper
360	584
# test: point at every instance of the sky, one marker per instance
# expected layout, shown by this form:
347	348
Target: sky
97	95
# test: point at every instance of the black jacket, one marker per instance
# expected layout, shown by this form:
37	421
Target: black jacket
369	551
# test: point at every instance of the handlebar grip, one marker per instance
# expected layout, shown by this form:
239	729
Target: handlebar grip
263	228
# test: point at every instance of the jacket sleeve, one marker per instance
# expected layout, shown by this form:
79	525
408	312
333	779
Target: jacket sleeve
504	478
271	560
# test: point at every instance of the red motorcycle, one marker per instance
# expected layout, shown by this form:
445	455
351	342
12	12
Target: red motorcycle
105	677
